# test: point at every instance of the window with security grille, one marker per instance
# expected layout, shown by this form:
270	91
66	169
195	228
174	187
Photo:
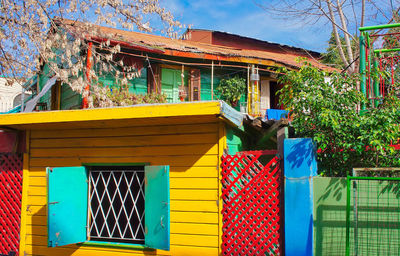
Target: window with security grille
116	204
109	205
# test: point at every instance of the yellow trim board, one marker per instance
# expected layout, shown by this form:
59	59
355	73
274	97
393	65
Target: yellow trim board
133	112
184	109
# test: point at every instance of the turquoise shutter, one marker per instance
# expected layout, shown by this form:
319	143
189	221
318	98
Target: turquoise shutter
67	204
156	196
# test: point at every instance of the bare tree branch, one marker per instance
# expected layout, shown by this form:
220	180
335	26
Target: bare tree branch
346	36
30	30
336	34
362	13
343	15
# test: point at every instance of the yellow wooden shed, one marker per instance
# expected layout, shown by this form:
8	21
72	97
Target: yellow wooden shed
117	150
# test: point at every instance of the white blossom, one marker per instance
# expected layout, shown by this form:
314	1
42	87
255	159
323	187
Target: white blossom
31	35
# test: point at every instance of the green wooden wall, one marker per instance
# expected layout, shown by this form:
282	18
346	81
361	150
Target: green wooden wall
43	78
206	84
171	81
69	98
73	100
329	216
138	85
235	140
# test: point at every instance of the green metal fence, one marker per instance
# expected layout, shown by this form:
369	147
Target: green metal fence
373	216
379	55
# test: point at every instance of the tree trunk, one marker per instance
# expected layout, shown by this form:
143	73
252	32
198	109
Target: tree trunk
336	33
346	37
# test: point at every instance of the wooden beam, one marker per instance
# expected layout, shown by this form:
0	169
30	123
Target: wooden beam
271	130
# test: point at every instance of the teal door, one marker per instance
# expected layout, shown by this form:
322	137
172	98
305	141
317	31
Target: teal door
171	82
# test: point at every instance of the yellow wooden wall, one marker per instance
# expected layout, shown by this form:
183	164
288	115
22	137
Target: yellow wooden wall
191	149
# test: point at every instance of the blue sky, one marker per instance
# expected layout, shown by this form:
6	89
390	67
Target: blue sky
245	18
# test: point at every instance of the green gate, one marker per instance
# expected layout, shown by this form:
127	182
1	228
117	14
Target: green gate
373	215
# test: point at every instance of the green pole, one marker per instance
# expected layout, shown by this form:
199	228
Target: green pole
394	25
362	68
376	80
387	50
369	63
348	217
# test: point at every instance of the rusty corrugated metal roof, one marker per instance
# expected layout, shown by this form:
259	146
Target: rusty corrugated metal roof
191	49
280	46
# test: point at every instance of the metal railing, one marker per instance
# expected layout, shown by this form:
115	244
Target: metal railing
27	86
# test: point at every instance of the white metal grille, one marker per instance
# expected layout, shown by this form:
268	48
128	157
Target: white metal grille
116	204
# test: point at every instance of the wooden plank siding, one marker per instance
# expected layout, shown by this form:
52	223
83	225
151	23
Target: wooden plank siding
191	150
69	99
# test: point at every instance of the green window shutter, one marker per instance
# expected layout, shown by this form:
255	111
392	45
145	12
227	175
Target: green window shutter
157	207
169	85
67	204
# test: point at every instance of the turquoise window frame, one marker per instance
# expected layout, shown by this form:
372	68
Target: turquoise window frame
157	203
116	245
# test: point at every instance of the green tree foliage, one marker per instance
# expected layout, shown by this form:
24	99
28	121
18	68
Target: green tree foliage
325	108
231	89
332	56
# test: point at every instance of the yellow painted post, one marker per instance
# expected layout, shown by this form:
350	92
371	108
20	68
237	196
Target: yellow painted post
251	90
221	148
24	200
256	94
253	93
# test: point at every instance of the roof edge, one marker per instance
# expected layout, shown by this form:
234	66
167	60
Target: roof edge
231	114
115	113
291	47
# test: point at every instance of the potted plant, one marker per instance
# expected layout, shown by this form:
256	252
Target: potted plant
182	93
231	89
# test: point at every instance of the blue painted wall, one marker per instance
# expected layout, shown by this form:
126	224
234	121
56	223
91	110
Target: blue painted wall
300	165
